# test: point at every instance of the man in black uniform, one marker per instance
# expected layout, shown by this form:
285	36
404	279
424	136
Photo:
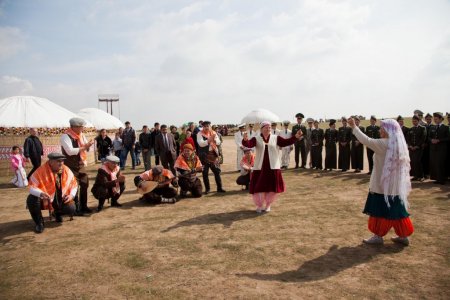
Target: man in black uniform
426	147
331	135
317	136
438	140
344	138
419	114
415	139
372	131
401	122
299	144
357	151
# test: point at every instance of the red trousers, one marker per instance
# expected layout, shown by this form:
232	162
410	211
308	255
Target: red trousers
381	226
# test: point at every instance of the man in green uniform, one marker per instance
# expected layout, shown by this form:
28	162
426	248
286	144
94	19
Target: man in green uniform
299	144
415	139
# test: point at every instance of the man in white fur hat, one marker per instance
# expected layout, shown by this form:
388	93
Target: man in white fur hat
286	133
238	136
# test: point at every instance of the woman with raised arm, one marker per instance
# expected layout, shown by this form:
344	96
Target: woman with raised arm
266	181
390	184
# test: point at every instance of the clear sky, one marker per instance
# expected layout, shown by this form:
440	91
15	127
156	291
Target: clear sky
177	61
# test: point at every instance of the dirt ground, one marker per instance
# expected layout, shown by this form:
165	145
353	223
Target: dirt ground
309	246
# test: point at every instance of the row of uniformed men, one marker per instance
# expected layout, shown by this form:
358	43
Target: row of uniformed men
427	143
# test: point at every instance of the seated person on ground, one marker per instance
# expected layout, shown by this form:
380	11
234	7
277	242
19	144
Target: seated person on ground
109	182
247	162
187	165
154	184
52	186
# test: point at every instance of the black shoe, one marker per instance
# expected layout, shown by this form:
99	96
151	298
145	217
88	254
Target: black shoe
369	173
79	213
221	191
421	179
302	167
414	179
296	167
39	228
58	218
86	210
344	170
206	192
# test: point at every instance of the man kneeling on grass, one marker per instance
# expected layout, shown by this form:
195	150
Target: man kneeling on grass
154	185
109	183
53	186
187	166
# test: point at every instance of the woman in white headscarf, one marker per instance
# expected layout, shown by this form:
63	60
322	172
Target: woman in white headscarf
266	180
390	184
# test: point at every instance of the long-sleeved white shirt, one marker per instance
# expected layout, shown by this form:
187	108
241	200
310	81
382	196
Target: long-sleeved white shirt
238	137
203	143
66	143
379	146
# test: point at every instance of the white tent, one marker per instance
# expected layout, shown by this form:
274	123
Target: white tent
29	111
260	115
100	119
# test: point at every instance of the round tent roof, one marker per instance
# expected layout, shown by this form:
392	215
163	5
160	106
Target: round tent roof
29	111
100	119
260	115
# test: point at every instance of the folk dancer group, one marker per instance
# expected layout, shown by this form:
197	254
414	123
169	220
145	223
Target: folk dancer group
396	152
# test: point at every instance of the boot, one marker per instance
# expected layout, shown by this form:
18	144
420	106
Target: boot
115	203
100	204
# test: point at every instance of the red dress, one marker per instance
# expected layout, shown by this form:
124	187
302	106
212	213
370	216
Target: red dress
267	180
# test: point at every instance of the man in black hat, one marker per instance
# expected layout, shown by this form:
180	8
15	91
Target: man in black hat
299	144
439	138
208	151
53	187
401	122
357	149
415	139
344	139
372	131
331	138
426	146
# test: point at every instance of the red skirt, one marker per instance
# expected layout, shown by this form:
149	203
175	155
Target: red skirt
266	180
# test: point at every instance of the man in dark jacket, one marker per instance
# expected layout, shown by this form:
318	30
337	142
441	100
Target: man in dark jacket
438	139
33	150
145	140
166	147
109	183
156	131
128	140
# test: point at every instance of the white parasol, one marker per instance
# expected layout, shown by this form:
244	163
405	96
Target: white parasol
259	115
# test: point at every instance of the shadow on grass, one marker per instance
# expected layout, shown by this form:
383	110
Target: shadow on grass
226	219
329	264
21	226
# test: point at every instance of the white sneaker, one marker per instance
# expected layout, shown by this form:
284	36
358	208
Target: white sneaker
267	209
374	240
258	210
404	241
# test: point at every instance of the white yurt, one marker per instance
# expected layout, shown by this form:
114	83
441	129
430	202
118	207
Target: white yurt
100	119
19	113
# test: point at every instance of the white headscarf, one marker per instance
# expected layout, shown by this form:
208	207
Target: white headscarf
395	177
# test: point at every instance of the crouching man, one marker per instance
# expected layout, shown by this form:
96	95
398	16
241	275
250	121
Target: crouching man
53	187
187	166
109	183
154	185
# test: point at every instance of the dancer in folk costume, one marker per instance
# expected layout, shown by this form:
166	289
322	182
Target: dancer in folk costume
286	151
18	167
390	183
266	180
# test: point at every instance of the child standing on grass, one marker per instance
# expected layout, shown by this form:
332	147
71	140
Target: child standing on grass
18	167
390	183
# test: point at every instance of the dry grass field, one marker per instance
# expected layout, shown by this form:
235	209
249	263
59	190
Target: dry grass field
308	246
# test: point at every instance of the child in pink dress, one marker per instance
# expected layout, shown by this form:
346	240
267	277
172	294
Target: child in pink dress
18	167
